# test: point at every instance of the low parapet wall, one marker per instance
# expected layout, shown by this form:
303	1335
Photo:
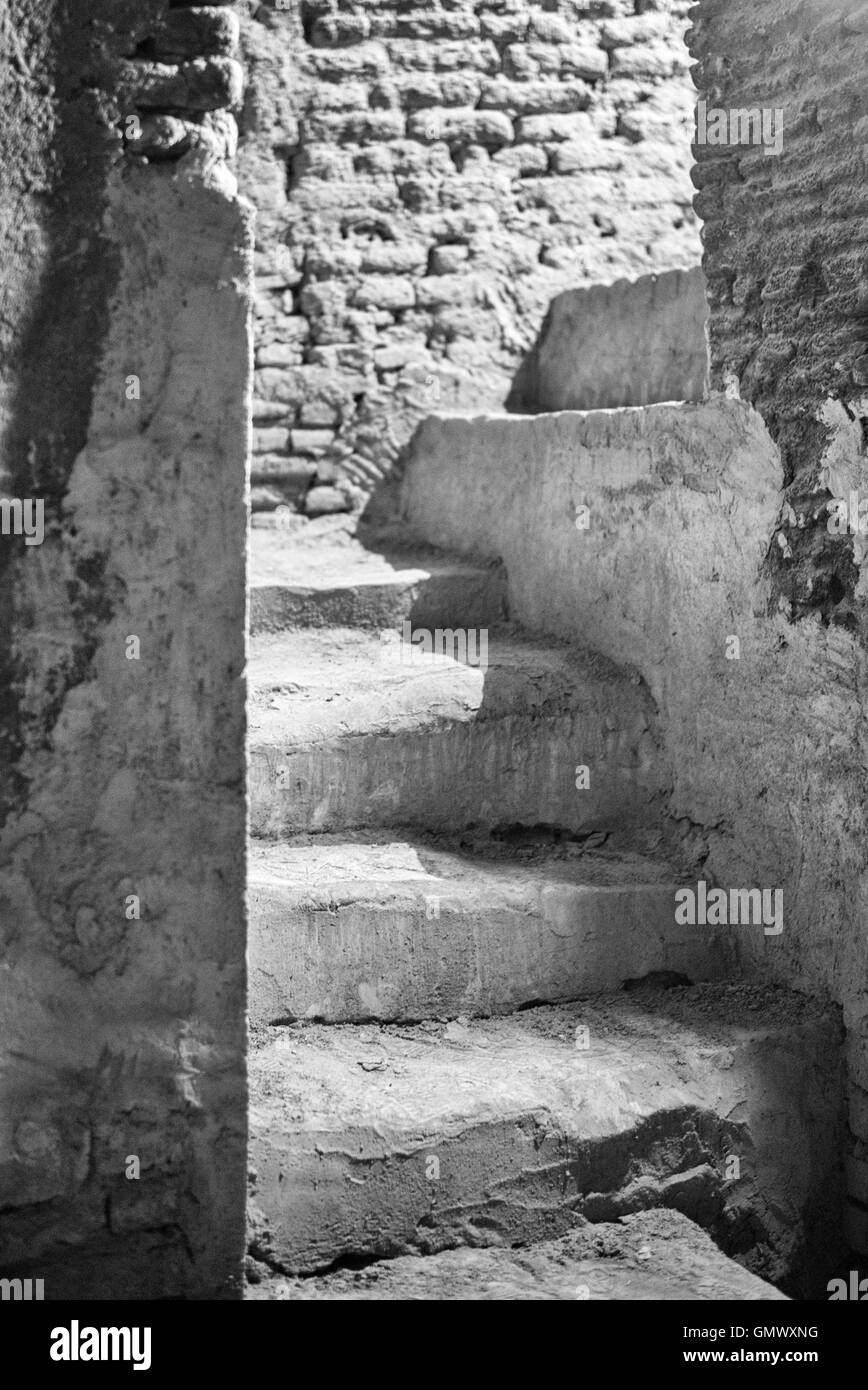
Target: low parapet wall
642	533
635	342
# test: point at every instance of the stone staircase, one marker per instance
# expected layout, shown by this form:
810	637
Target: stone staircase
655	1255
475	1024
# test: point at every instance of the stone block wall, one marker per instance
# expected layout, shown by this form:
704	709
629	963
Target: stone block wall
125	365
785	237
427	179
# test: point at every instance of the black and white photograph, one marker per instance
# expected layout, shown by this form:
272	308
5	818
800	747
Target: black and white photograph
433	671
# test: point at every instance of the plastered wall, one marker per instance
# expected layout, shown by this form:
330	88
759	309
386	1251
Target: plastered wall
125	377
764	721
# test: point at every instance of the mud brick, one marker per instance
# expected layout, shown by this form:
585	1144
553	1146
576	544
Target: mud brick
523	159
319	414
355	127
279	354
584	60
543	130
322	297
489	128
648	60
353	358
447	260
370	60
551	28
348	96
266	412
431	23
311	441
385	292
534	98
436	290
282	470
505	28
480	56
270	441
197	32
202	85
581	156
393	257
338	30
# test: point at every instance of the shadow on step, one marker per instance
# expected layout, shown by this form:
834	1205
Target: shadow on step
401	926
720	1102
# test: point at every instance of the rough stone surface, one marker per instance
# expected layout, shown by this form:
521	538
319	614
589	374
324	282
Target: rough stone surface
318	579
349	729
344	930
326	501
428	178
205	84
122	777
632	343
530	1129
769	781
784	240
658	1255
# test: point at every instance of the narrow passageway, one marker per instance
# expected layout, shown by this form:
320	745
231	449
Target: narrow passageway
434	851
475	1020
490	1055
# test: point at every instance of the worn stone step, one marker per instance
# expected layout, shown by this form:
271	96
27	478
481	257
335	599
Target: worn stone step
346	930
343	584
722	1101
351	730
656	1254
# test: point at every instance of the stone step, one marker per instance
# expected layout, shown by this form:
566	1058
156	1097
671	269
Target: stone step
348	730
656	1254
347	930
343	584
722	1101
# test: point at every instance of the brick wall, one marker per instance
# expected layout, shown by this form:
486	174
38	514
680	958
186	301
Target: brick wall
427	179
785	240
